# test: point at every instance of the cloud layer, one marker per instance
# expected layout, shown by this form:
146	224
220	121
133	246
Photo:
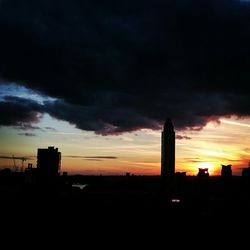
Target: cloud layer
120	66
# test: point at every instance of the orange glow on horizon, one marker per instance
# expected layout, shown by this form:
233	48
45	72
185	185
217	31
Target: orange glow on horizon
208	165
137	152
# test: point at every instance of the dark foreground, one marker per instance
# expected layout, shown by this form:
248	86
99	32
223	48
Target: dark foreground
125	206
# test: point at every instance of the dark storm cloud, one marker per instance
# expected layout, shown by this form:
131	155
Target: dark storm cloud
118	66
19	112
100	117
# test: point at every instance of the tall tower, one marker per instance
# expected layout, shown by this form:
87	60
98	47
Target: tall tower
168	150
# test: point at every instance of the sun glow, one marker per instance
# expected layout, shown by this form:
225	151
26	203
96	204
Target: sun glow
208	165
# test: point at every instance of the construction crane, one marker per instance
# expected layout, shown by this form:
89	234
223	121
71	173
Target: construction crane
19	158
15	168
23	159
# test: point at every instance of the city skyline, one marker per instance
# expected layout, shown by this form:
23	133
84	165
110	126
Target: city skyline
137	153
98	79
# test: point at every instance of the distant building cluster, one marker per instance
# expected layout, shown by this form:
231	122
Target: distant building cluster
168	158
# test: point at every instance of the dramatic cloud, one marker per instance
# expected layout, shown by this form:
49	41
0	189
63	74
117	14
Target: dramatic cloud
28	134
101	157
27	126
182	137
119	66
50	129
15	158
93	158
19	112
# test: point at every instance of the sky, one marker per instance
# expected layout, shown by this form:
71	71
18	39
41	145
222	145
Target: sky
97	79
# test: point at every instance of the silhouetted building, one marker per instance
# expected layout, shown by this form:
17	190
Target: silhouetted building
246	172
180	174
29	165
30	174
179	187
65	174
48	161
226	171
168	150
203	173
5	175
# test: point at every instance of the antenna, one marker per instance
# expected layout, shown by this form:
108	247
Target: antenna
23	159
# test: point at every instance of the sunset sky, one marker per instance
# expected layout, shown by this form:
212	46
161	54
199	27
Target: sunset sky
97	79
